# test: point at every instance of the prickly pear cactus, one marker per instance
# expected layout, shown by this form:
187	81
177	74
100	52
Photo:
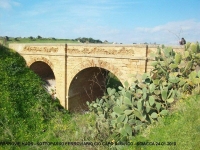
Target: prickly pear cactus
126	111
175	68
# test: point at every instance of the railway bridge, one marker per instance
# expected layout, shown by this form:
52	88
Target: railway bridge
79	70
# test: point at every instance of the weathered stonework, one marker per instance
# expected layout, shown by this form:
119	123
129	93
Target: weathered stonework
67	61
40	58
40	49
101	51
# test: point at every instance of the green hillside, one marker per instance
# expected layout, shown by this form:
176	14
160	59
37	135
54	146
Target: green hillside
7	40
26	109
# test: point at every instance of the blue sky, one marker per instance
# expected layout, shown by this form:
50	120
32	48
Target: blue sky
122	21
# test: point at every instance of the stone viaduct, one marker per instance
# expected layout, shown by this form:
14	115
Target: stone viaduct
76	67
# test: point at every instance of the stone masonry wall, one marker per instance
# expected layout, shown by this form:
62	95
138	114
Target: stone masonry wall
51	54
67	60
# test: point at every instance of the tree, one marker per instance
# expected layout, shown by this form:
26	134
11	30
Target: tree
91	40
6	38
31	38
88	40
39	37
105	41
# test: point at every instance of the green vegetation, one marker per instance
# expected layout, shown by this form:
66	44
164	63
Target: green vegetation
6	40
88	40
31	39
26	109
182	126
112	81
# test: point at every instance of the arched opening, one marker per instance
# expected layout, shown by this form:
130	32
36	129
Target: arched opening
46	73
89	84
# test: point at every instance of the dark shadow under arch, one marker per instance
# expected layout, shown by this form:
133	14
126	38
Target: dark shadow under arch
87	85
43	70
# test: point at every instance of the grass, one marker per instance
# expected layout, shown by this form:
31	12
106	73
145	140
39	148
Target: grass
182	126
35	40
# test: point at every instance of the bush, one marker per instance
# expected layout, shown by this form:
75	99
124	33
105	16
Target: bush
25	107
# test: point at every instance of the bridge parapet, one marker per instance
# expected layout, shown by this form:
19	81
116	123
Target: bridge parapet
140	51
39	48
107	51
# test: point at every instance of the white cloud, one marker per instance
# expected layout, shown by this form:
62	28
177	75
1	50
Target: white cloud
5	4
181	25
8	4
168	33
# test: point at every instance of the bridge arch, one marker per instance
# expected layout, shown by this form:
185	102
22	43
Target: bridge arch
89	82
45	71
42	69
96	63
42	59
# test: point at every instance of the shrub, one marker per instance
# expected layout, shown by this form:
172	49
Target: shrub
25	107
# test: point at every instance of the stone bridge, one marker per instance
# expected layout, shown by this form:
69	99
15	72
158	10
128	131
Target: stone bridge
79	70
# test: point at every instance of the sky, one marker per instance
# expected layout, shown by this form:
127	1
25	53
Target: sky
121	21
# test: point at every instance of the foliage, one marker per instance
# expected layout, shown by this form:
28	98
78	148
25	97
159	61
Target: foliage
25	107
39	37
150	96
112	81
31	38
178	70
6	38
89	40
